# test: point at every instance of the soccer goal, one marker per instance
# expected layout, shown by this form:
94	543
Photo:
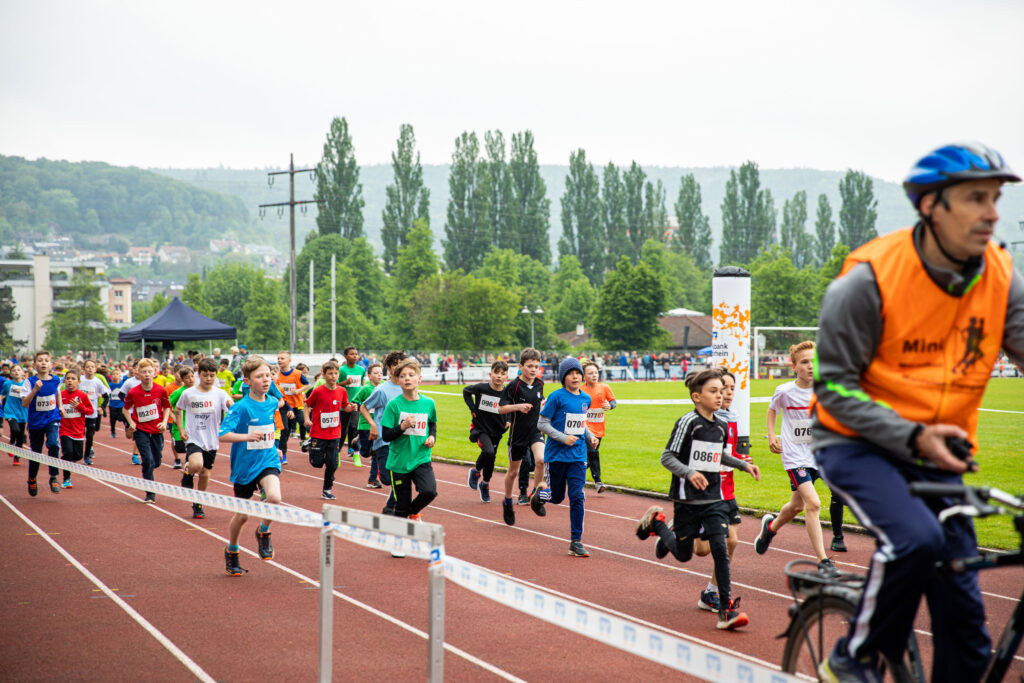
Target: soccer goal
776	338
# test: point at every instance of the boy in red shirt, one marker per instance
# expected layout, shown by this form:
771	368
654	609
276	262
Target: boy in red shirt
75	405
147	408
324	413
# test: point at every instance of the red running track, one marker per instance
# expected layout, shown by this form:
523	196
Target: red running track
59	625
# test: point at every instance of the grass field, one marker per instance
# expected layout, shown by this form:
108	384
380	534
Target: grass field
636	435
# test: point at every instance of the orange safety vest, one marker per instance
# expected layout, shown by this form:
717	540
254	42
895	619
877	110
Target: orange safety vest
937	350
291	388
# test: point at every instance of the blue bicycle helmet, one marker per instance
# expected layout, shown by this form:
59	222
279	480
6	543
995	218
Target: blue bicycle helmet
954	164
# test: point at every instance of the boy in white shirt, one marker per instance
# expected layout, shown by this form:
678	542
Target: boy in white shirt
95	389
793	400
204	406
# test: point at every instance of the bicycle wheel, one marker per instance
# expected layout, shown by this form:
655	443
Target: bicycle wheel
813	631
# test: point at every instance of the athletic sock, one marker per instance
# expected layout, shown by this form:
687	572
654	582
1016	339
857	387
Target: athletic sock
232	548
264	527
508	501
712	587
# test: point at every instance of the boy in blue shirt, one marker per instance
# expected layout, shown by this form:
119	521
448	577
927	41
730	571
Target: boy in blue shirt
43	403
116	403
564	419
249	428
15	413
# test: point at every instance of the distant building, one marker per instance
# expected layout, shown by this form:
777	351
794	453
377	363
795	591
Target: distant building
218	246
690	330
175	256
141	256
35	282
119	300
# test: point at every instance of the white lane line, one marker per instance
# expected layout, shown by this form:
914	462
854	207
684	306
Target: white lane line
175	651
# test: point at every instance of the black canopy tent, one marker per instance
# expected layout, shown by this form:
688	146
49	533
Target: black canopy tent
176	322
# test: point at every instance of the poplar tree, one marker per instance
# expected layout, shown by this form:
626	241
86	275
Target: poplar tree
858	211
407	198
748	216
636	217
338	190
501	207
824	231
793	235
468	232
694	234
613	210
531	209
581	218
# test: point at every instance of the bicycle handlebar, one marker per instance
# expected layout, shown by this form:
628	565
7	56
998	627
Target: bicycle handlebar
975	498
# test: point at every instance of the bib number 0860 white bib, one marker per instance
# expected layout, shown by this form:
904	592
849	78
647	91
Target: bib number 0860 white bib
706	456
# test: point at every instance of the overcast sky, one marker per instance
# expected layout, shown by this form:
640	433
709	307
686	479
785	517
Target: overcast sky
870	85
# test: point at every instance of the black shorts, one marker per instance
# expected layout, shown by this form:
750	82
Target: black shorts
734	517
692	520
517	451
246	490
179	446
208	456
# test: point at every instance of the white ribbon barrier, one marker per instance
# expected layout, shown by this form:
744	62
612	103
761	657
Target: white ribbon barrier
675	653
245	506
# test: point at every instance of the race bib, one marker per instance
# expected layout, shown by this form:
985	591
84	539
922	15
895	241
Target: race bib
91	393
223	382
706	456
24	390
420	428
70	411
489	404
595	415
802	430
147	413
727	451
201	406
330	420
45	404
575	423
266	439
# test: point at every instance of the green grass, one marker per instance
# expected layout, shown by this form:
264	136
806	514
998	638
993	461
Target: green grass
636	436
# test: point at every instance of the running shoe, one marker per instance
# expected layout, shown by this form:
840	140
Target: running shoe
840	666
660	549
576	549
536	503
708	600
54	485
135	460
284	459
374	484
418	517
474	478
645	525
523	499
266	550
304	446
231	566
150	497
508	512
88	460
764	538
828	568
731	619
197	511
32	488
838	545
397	553
177	464
327	495
17	461
67	484
599	486
113	435
356	460
484	490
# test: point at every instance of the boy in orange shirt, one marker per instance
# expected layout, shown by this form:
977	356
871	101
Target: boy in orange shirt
290	382
601	399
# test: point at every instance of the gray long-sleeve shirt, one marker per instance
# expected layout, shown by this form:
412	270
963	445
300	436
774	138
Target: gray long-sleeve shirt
850	330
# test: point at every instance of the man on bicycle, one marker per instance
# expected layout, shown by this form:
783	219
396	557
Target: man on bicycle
909	334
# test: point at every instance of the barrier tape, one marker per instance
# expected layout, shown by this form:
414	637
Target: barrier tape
382	540
636	639
245	506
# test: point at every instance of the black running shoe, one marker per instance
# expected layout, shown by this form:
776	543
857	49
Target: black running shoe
523	499
484	489
838	545
177	464
231	566
32	488
88	460
731	618
660	549
54	485
645	525
304	446
764	538
197	511
474	478
150	497
266	550
828	568
537	504
508	512
327	495
576	549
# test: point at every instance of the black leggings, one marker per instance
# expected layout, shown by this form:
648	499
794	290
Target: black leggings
488	447
682	550
92	425
594	460
116	415
401	490
18	433
835	511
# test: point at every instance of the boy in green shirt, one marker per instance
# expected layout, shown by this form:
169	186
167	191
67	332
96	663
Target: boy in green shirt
352	377
187	378
374	376
409	425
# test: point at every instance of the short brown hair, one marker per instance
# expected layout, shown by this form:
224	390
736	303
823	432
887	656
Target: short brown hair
145	363
407	363
252	365
797	348
329	365
529	353
207	365
374	365
587	364
72	371
499	366
695	381
393	359
41	353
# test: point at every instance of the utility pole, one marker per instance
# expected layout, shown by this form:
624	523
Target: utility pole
311	307
291	204
334	309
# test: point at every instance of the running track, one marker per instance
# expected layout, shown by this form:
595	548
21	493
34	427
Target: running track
160	607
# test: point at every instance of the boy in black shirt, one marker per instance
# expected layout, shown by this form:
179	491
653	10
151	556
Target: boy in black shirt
522	398
694	455
483	400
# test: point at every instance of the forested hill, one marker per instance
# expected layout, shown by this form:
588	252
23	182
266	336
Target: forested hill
112	207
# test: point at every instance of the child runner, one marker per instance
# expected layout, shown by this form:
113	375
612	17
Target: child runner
75	405
116	404
374	376
564	419
186	379
409	425
148	411
602	399
694	455
290	382
14	412
324	409
372	411
249	428
43	403
96	389
352	376
204	406
793	400
130	382
522	397
487	427
709	596
225	380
